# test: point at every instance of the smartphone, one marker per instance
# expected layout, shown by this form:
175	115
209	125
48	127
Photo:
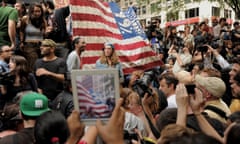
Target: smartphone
190	88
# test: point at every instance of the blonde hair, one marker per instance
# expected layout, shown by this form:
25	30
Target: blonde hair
114	58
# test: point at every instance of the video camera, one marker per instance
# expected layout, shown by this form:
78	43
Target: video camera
141	86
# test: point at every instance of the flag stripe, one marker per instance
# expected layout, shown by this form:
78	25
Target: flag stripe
87	103
99	6
93	32
92	18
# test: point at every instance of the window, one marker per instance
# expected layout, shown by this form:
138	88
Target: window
227	13
138	11
192	13
143	9
215	11
154	7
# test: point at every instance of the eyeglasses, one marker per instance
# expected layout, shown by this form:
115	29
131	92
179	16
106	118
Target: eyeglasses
45	46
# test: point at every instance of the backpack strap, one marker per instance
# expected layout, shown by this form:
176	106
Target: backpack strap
216	110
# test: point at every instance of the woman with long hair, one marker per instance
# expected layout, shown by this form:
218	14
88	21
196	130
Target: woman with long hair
19	79
109	59
32	32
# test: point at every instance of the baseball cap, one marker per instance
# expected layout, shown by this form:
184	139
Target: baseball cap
48	42
213	85
34	104
109	44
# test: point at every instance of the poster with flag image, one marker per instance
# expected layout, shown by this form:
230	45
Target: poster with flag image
95	93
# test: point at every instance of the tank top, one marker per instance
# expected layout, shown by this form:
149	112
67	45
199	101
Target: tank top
32	33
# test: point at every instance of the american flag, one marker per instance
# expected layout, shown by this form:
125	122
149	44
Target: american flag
89	108
101	22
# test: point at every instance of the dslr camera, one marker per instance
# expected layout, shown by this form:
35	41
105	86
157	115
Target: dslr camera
202	42
141	86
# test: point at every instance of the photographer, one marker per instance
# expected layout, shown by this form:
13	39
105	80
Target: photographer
155	36
208	54
183	58
172	39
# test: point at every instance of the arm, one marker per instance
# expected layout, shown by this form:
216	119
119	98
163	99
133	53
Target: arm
12	20
90	135
196	105
112	132
12	32
182	103
221	61
197	57
186	60
43	71
76	128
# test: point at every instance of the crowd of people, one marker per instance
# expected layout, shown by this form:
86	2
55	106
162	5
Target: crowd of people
193	96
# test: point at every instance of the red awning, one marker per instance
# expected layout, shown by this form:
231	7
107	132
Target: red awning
183	22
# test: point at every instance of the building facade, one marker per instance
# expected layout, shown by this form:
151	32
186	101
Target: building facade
188	12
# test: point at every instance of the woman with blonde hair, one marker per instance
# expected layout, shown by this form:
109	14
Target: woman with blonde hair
109	59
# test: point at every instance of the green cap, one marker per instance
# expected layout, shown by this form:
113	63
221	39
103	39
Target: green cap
33	104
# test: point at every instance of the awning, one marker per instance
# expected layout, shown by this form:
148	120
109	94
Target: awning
183	22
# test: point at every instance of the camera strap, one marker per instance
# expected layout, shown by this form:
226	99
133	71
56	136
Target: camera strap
216	110
152	127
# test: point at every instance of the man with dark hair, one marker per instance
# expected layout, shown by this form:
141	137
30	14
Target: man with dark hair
168	83
8	20
32	105
5	54
235	32
73	60
217	29
50	70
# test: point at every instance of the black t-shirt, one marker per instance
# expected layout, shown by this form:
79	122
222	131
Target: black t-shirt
59	34
24	136
49	85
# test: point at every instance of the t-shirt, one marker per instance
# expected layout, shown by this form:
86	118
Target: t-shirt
24	136
60	34
50	86
6	13
73	61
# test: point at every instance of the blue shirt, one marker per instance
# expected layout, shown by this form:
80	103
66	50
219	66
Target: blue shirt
3	66
118	66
